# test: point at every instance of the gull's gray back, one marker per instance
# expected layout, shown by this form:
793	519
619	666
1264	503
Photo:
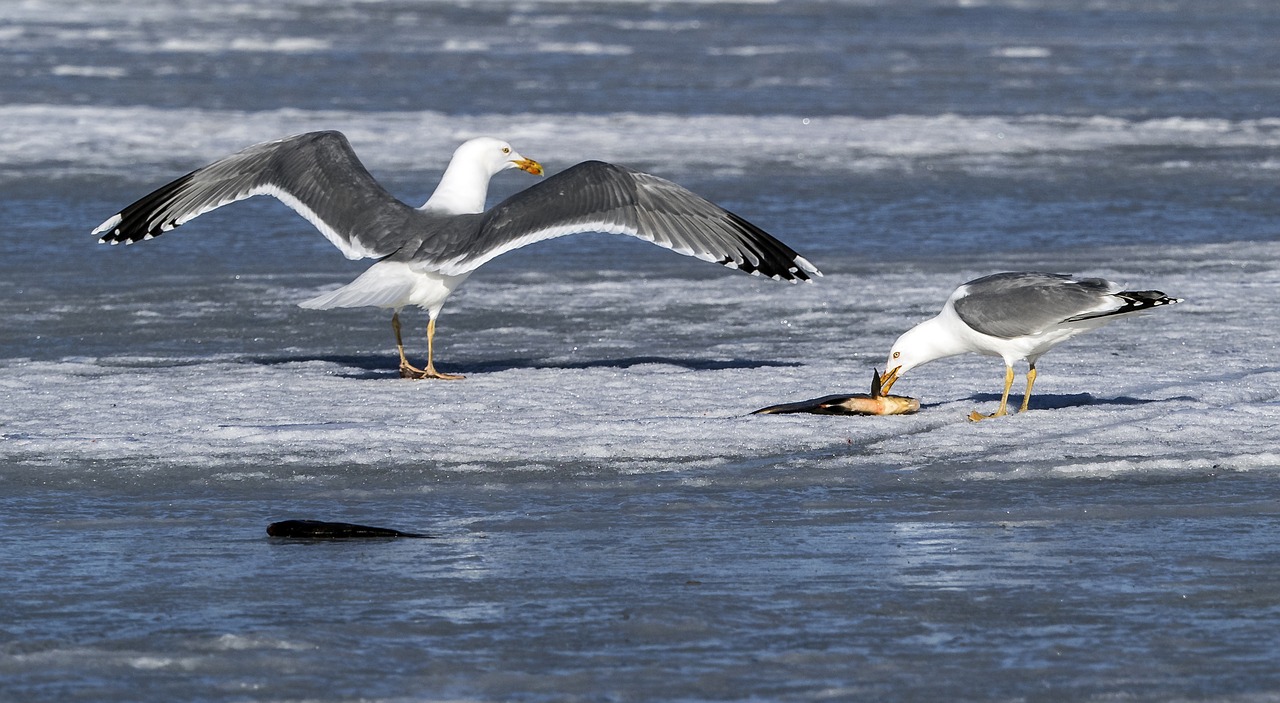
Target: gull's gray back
1008	305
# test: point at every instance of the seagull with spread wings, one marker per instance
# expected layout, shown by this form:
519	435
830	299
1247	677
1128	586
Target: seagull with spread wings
423	254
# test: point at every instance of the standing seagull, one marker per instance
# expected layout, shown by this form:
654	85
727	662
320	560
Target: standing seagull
425	253
1015	316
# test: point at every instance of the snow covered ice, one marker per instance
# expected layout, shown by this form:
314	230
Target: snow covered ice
648	375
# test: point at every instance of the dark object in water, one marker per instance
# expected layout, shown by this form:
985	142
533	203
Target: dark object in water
873	403
318	529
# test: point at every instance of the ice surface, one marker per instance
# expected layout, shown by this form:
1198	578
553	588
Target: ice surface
642	374
154	141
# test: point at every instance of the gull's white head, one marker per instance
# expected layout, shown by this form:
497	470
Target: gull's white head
918	345
494	156
465	183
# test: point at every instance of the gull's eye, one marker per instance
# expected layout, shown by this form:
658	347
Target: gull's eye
506	150
897	354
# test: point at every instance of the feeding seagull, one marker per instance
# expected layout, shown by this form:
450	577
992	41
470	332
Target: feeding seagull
1015	316
423	254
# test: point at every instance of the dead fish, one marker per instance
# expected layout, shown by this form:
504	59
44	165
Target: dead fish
874	403
319	529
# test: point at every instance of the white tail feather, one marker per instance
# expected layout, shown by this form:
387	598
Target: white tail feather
390	284
372	288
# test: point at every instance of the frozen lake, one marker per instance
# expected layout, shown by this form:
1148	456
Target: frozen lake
609	523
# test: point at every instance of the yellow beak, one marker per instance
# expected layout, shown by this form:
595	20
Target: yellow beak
528	165
889	378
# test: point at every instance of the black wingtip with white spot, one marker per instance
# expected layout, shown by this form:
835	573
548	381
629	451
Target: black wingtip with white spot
773	259
143	219
1142	299
1134	301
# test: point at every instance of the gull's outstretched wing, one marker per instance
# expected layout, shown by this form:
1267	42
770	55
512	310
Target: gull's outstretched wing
599	197
317	174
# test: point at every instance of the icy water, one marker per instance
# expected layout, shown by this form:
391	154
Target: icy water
608	523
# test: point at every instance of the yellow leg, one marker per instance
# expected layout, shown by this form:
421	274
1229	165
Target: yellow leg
1031	381
407	370
1004	399
430	371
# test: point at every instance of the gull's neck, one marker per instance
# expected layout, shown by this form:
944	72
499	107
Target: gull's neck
462	190
937	338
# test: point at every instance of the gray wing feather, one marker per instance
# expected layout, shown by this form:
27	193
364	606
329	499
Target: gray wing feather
317	174
598	197
1008	305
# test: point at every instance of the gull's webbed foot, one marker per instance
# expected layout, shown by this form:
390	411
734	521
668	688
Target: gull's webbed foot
412	372
976	416
408	370
430	372
1004	399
